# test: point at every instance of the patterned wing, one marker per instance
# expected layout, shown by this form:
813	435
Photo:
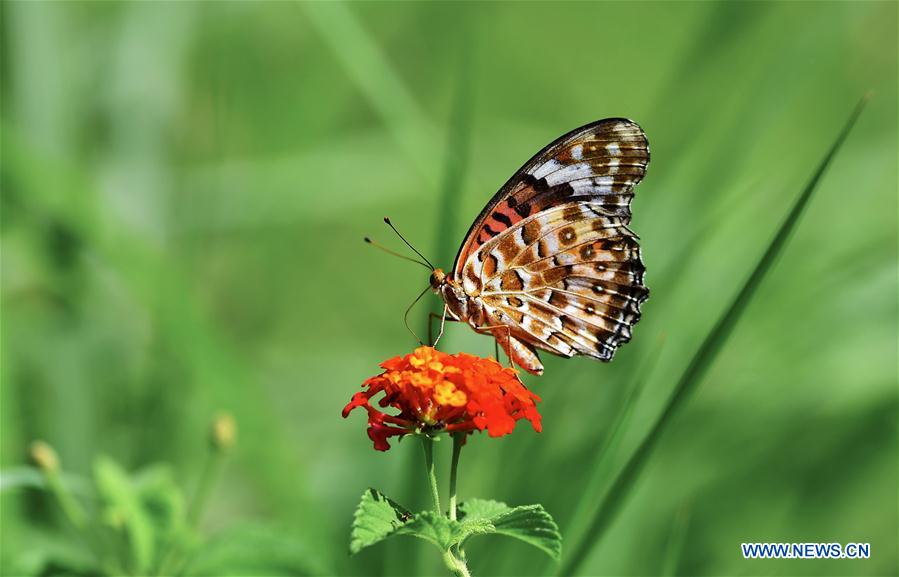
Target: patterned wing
598	163
568	280
552	258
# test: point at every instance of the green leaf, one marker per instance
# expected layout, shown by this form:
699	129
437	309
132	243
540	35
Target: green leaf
369	67
528	523
122	505
163	505
15	478
45	553
482	509
162	501
434	528
376	518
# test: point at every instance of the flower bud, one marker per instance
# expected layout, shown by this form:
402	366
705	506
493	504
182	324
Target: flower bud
223	433
44	457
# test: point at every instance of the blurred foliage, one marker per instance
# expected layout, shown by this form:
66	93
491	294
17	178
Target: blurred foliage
144	523
184	191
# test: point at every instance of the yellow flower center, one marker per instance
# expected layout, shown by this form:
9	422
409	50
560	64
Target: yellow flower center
446	393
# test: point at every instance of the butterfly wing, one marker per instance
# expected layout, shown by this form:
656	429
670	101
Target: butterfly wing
551	256
600	163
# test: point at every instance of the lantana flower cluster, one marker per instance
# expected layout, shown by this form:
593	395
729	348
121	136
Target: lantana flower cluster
437	392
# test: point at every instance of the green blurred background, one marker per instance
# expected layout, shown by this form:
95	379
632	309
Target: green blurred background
185	187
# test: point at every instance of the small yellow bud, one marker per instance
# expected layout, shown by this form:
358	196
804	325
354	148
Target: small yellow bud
224	432
44	457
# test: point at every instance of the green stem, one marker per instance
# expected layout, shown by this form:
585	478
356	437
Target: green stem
458	439
210	472
456	565
427	444
76	515
67	502
174	556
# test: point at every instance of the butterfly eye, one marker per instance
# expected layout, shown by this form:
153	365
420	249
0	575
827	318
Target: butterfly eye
437	278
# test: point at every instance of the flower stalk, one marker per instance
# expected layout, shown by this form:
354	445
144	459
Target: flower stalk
455	565
222	435
453	557
458	441
46	460
427	444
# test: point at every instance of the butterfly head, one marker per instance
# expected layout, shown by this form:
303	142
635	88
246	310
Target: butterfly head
438	279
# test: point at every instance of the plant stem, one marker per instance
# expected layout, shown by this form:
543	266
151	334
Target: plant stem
427	444
458	439
73	511
456	565
211	471
453	563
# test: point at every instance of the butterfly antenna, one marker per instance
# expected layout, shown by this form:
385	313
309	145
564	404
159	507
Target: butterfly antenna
406	314
394	253
402	238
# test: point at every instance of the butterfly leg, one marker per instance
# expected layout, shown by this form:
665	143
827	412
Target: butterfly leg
519	352
497	331
443	318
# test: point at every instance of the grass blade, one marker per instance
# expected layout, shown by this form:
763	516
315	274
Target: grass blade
370	69
611	444
675	549
458	146
700	363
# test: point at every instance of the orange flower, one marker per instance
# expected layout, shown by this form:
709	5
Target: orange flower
436	392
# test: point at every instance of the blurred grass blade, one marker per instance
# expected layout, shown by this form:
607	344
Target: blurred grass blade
368	67
458	146
676	540
611	444
23	477
699	364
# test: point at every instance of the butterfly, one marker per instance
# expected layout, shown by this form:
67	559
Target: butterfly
550	263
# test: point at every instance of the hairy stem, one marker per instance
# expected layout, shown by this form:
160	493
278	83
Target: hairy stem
458	439
456	565
427	444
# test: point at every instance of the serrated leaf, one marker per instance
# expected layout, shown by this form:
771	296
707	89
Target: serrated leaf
434	528
376	518
528	523
482	509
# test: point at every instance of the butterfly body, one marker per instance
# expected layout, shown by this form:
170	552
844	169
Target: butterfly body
550	262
